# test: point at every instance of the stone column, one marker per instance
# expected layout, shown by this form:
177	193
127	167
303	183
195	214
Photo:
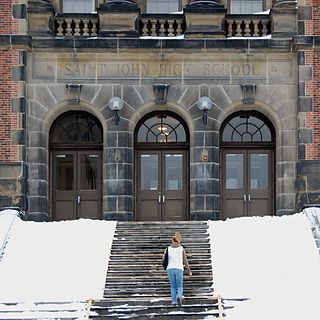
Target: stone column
204	19
119	18
40	18
284	22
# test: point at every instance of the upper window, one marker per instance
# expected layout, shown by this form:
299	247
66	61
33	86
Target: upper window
76	128
161	128
246	6
79	6
247	127
163	6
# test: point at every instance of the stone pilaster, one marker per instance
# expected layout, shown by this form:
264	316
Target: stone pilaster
119	19
204	19
284	23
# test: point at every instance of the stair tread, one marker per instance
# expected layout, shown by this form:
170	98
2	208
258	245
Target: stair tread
136	284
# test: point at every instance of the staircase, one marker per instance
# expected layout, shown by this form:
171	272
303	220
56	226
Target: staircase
137	287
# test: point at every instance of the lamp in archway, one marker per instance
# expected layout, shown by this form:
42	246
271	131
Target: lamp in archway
116	104
204	104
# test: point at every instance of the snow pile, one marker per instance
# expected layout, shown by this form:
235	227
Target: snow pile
272	261
56	261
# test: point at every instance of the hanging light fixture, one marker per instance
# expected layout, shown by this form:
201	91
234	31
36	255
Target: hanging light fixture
116	104
204	104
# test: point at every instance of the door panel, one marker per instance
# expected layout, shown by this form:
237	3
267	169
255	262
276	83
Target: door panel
148	186
64	184
161	185
233	184
260	186
89	185
174	186
76	184
247	183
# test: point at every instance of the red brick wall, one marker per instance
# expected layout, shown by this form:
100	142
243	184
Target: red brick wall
8	89
313	87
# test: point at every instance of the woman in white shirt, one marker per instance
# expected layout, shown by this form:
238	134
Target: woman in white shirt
177	259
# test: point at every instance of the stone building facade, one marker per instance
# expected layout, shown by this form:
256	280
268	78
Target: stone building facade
126	114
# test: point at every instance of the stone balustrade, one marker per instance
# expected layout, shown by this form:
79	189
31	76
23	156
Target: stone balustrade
167	25
247	25
76	25
162	25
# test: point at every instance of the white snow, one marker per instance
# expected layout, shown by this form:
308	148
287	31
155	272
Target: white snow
55	261
272	261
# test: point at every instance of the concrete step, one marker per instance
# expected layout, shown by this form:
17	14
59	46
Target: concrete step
137	287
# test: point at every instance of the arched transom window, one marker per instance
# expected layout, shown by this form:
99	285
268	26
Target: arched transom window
78	128
247	127
161	128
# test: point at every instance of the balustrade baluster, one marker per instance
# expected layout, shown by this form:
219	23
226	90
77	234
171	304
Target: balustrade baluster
76	27
170	28
154	28
60	28
179	27
247	28
255	28
85	27
238	28
68	27
264	28
145	27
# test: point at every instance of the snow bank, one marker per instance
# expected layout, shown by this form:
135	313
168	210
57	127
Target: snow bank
273	261
56	261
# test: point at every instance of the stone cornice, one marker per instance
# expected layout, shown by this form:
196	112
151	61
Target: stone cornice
306	42
49	44
14	41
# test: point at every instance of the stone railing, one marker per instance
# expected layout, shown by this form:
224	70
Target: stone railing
85	25
162	25
250	25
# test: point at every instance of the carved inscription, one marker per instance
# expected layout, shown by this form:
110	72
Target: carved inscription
153	70
64	69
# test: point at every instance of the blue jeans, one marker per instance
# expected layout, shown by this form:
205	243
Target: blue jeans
176	282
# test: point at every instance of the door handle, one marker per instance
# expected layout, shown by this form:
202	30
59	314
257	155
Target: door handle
249	197
163	199
244	198
78	199
159	197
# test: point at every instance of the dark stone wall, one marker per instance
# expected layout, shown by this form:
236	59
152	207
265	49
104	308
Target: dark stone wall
308	183
13	185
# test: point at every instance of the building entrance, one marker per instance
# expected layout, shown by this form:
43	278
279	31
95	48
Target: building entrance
76	167
162	157
247	157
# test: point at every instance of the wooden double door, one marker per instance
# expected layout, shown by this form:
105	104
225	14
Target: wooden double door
161	185
247	182
76	184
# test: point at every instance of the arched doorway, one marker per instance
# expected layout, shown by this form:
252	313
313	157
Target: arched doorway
162	174
76	166
247	165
